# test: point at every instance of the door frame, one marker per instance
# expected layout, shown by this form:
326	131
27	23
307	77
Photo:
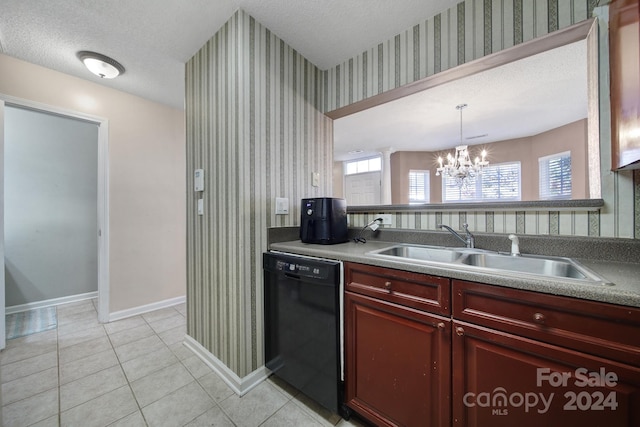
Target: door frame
103	191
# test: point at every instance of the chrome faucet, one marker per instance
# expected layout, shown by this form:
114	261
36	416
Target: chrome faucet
469	240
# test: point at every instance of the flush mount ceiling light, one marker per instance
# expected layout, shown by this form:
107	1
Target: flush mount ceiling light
101	65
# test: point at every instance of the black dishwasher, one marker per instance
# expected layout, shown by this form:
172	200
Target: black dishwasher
303	326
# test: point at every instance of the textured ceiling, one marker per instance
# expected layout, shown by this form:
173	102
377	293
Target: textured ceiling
519	99
153	39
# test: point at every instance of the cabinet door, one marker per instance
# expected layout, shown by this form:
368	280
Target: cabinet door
504	380
397	363
624	59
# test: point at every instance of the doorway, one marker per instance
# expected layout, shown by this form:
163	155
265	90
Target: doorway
40	208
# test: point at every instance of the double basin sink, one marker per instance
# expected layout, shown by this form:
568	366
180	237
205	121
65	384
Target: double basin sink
491	262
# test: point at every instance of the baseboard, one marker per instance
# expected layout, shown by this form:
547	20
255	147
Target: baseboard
130	312
240	386
50	302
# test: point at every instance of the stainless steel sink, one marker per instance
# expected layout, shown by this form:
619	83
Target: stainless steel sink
420	253
544	266
488	261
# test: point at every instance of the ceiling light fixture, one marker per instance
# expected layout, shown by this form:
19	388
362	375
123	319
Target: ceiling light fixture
101	65
459	166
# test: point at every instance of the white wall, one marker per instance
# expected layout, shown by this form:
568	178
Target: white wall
146	179
50	206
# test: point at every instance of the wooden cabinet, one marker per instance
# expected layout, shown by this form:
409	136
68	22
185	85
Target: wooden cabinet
624	61
533	359
430	351
397	355
504	380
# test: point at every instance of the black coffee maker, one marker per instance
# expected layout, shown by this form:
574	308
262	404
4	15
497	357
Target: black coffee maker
323	220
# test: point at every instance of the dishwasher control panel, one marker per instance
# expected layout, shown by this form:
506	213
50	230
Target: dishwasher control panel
304	267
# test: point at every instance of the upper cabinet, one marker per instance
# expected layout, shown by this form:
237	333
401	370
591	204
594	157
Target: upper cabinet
624	45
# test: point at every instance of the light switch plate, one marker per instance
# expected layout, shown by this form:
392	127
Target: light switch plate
315	179
282	206
198	180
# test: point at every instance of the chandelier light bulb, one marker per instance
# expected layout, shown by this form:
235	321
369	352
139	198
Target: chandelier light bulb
459	166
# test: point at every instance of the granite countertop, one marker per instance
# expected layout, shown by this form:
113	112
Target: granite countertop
623	277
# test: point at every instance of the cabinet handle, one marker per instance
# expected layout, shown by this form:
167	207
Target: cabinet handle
539	318
460	331
441	325
387	286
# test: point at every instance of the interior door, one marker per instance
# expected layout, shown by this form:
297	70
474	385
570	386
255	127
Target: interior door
363	189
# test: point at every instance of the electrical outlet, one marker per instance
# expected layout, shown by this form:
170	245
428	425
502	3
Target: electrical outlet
387	219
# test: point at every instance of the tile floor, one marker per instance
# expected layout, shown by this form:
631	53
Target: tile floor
133	372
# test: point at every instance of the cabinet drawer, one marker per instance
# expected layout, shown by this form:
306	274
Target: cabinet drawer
415	290
601	329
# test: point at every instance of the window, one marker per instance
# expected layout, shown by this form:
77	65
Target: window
364	165
419	191
555	176
496	182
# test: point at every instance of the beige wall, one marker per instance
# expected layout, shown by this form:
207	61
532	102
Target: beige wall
571	137
146	179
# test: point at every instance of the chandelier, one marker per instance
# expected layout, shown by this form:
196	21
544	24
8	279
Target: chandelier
459	166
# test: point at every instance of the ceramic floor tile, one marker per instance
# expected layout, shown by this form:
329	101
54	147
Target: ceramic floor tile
156	315
168	322
71	321
86	366
124	324
160	383
84	349
101	411
255	407
29	346
22	368
30	385
90	387
213	417
138	348
180	350
77	307
31	410
196	366
215	387
291	415
146	364
130	335
49	422
173	336
79	336
178	408
134	420
149	367
181	308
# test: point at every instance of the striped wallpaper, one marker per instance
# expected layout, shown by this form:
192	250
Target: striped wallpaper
254	127
255	124
472	29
